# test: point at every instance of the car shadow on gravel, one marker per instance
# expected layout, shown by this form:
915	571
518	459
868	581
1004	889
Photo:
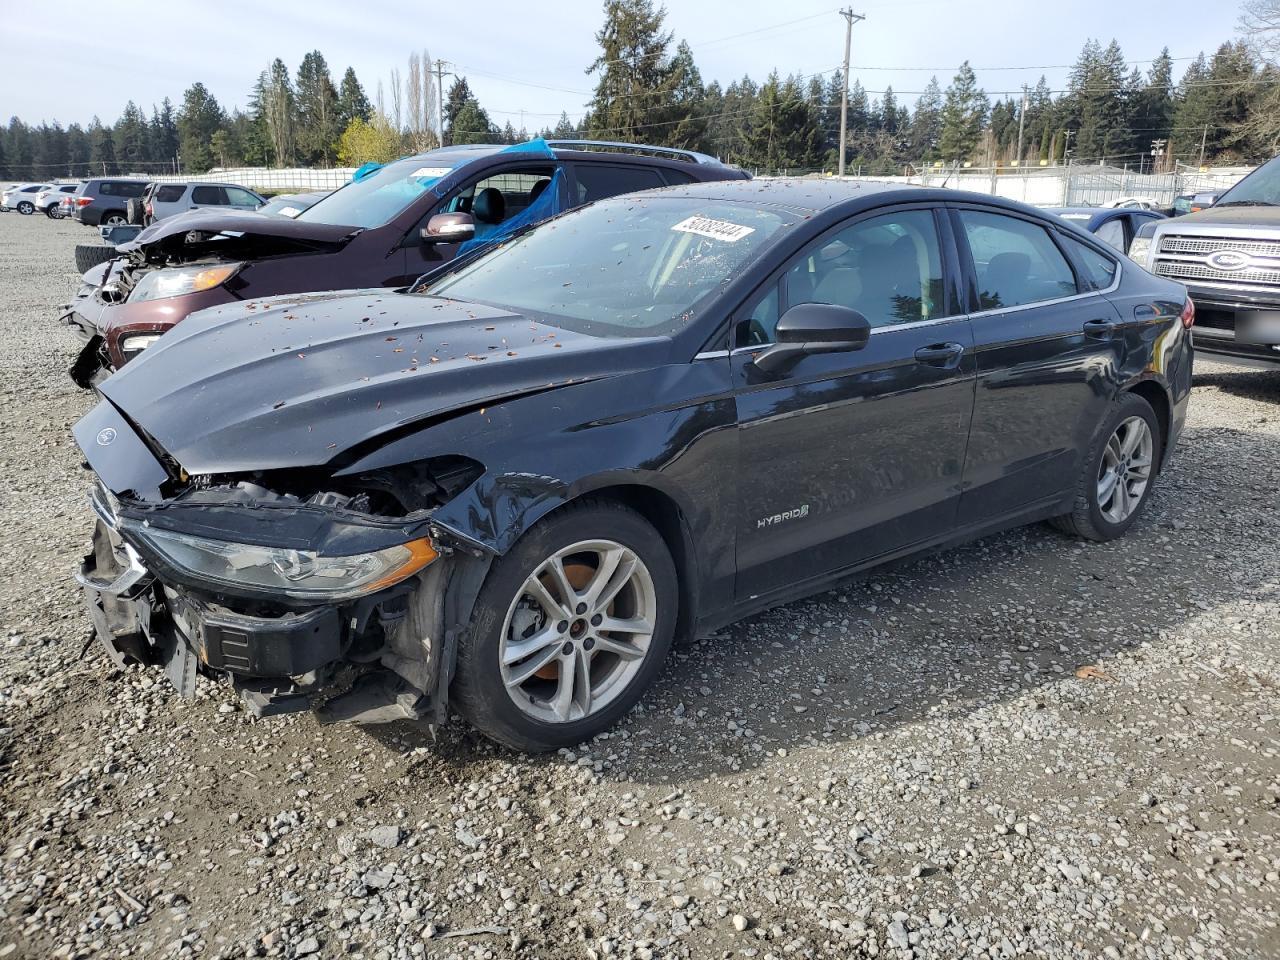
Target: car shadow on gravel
936	637
1245	382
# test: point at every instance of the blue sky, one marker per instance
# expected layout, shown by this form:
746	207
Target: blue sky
531	57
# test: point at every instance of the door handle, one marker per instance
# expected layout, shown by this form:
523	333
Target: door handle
945	355
1102	329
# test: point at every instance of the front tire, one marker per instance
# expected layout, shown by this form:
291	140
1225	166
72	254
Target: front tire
570	628
1121	467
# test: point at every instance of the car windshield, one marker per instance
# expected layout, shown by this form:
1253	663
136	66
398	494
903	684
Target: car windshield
1261	187
379	197
628	267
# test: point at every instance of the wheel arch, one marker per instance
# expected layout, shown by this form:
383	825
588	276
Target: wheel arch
1157	395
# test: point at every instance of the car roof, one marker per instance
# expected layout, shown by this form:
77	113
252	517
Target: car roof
580	150
809	196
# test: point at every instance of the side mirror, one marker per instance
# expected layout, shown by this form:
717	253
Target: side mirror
813	328
448	228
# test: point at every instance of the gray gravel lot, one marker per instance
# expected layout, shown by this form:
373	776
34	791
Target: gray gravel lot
905	767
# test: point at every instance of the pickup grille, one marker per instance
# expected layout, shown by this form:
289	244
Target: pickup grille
1187	258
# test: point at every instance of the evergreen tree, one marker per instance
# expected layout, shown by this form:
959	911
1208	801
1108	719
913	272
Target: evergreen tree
278	104
683	122
163	134
637	82
20	150
472	125
102	150
77	149
317	111
963	115
198	119
564	129
352	101
1193	113
926	122
131	138
458	97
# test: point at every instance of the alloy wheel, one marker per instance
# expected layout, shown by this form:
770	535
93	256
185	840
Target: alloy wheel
1125	471
578	631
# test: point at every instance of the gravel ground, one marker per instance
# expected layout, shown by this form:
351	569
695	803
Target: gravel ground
910	766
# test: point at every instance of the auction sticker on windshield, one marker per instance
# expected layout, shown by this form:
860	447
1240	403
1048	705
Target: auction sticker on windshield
715	229
432	172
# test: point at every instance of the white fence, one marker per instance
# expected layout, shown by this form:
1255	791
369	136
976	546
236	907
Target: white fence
271	180
1073	186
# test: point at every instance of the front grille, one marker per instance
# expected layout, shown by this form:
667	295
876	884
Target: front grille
1188	258
1189	270
1257	248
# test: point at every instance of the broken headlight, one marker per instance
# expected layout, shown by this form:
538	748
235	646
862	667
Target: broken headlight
177	281
298	574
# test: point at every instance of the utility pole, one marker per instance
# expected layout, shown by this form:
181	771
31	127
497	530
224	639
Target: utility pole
849	18
1022	116
440	64
1157	154
1204	137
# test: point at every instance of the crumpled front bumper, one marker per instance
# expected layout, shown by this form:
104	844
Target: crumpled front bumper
326	658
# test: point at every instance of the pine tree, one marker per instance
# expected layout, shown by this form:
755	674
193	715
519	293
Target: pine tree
564	129
279	109
471	124
163	133
926	122
963	115
1193	112
683	123
131	136
317	110
459	96
102	149
636	82
352	101
198	119
77	149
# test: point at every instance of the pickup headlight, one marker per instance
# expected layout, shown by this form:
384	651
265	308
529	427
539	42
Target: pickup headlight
1140	250
177	281
298	574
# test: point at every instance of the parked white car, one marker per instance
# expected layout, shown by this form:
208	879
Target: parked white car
47	201
22	197
1134	203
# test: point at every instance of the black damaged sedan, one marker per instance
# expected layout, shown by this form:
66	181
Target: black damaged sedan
510	489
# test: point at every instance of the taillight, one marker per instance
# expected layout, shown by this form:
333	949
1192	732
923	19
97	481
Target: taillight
1188	317
150	209
83	201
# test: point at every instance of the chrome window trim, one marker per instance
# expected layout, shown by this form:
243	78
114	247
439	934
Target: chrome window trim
1115	285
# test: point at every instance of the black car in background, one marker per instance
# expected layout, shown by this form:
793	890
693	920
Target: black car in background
513	486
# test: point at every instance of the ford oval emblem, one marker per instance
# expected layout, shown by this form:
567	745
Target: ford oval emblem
1229	260
106	436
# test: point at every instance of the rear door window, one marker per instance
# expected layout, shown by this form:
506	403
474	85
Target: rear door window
170	192
1015	261
1099	269
208	196
241	197
122	188
599	180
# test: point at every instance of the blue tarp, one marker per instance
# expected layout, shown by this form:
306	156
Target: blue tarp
546	205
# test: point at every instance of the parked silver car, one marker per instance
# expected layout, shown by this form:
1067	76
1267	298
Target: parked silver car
48	201
22	197
164	200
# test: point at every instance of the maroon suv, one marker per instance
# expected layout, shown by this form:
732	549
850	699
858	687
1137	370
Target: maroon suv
383	229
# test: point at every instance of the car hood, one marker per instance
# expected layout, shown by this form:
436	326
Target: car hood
239	230
1263	216
269	386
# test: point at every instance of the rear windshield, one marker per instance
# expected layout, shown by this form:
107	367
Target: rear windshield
380	197
626	267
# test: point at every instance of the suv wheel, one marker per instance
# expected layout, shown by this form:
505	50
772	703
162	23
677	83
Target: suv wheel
114	219
571	626
1115	484
53	212
26	208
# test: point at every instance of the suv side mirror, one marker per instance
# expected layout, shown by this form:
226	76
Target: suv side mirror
813	328
448	228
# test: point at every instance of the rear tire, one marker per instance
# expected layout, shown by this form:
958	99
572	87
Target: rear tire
1115	481
26	208
565	638
114	218
135	212
53	212
89	255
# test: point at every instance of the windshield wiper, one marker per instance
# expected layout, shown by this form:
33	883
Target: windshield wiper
1248	203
